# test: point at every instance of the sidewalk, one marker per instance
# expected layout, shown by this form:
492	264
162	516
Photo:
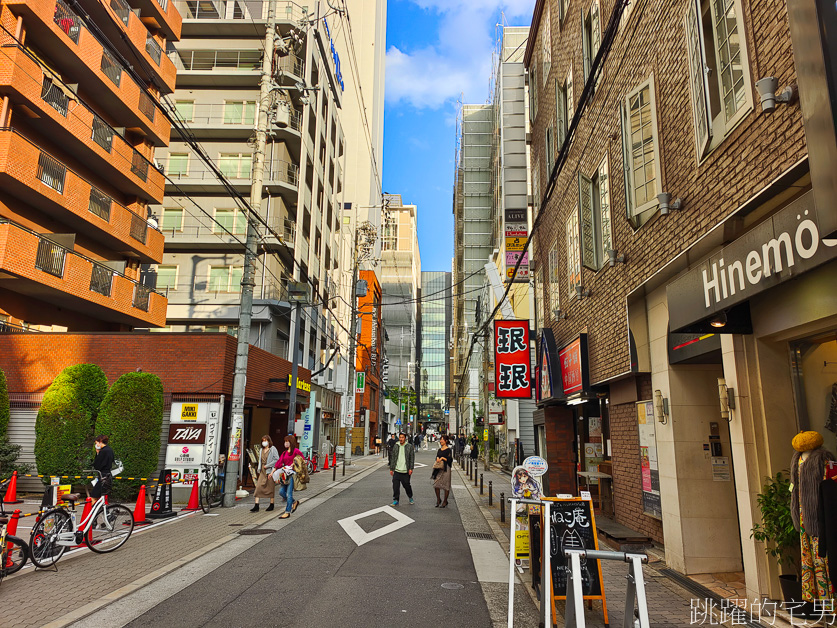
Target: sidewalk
668	603
87	581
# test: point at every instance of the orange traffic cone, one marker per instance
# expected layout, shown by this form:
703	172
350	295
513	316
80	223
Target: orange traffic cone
11	530
334	459
193	498
88	506
139	510
325	466
11	492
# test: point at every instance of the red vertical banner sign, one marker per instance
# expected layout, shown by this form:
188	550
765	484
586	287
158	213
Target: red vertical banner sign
512	368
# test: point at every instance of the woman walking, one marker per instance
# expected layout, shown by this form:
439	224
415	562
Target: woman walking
286	462
475	448
265	486
442	483
103	463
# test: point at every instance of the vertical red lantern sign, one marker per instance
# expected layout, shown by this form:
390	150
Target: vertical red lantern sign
512	367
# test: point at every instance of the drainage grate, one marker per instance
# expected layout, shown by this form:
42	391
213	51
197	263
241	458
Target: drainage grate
236	524
452	585
706	594
254	531
480	535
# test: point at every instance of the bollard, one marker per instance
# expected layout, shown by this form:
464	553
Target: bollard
334	473
476	479
502	507
481	485
490	497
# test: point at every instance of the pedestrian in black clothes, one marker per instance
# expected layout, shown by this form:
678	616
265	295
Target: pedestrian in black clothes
475	448
103	463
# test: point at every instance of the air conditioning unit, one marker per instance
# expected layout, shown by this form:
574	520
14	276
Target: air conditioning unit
528	139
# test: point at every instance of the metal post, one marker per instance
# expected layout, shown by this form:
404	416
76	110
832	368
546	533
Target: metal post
546	574
574	613
490	494
352	342
481	484
511	558
294	367
476	477
334	473
247	280
502	507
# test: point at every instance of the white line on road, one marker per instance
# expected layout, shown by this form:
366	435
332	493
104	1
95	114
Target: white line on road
361	537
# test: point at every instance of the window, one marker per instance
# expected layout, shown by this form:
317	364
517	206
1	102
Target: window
552	281
225	278
390	240
718	70
230	220
536	187
594	207
172	219
185	109
550	150
568	91
591	37
166	277
573	254
533	91
561	122
235	165
641	152
239	112
546	45
563	5
178	165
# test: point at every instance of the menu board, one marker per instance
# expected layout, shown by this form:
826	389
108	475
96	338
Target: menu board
649	463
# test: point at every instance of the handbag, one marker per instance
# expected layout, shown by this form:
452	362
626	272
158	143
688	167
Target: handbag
439	464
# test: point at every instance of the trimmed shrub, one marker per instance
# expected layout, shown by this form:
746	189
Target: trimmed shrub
132	416
64	427
4	404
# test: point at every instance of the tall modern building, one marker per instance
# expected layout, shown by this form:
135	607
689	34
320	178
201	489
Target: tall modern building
79	124
400	273
434	356
219	62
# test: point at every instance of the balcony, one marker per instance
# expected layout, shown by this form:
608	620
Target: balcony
44	182
286	230
35	266
227	121
77	54
233	18
192	301
221	68
161	15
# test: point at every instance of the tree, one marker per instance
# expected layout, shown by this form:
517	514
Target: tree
64	427
132	416
405	395
9	452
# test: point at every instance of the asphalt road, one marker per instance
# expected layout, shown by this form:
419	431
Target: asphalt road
312	573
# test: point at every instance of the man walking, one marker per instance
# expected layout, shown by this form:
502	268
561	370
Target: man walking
402	459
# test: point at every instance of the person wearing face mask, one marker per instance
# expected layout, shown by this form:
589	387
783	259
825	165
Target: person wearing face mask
286	461
265	486
103	463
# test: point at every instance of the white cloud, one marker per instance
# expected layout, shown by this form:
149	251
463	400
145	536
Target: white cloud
459	61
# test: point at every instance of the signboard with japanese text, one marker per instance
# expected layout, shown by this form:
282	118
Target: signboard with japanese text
512	370
361	381
196	428
572	359
522	272
649	466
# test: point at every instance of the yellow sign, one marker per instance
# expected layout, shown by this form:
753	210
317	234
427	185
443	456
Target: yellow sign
521	544
189	412
304	386
515	243
63	489
485	434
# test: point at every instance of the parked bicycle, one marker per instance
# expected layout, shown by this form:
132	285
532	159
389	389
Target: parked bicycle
211	492
105	529
14	552
312	461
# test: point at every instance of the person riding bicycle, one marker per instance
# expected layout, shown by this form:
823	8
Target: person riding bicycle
103	463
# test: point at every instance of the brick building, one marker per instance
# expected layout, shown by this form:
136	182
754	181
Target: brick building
679	378
79	121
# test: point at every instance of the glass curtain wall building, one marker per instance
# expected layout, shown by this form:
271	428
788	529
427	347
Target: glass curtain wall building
436	319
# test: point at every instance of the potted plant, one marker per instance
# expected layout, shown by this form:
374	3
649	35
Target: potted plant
776	531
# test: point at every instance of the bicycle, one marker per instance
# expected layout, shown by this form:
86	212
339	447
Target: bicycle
211	495
312	461
106	528
14	552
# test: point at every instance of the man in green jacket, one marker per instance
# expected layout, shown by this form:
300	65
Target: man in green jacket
402	459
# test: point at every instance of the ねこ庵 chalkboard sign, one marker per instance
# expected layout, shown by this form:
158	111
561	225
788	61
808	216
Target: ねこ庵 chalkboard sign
572	525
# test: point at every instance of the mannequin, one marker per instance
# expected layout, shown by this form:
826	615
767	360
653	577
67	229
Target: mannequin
807	472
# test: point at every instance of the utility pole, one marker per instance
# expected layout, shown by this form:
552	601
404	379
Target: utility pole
236	436
349	420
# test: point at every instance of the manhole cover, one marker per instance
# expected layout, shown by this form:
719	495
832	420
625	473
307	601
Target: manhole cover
452	585
256	531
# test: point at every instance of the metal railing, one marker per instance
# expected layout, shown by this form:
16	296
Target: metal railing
139	166
164	4
122	10
100	203
101	280
200	288
292	64
216	113
238	10
142	295
275	170
51	172
248	60
154	50
50	257
147	106
102	133
139	228
54	96
67	20
111	68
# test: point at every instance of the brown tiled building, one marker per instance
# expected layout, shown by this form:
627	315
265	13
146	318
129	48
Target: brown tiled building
79	121
680	379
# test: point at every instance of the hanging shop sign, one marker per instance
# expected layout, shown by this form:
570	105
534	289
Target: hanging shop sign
523	271
512	368
361	381
776	250
573	362
306	442
300	385
547	369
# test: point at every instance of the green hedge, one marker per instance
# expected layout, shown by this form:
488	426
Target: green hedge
64	427
132	416
4	404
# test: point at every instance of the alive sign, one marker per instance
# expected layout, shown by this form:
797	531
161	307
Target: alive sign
188	434
512	368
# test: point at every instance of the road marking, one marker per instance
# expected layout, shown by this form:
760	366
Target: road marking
361	537
419	464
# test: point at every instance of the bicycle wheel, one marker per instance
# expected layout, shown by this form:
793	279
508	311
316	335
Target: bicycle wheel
216	496
106	535
502	459
205	495
43	547
13	556
310	466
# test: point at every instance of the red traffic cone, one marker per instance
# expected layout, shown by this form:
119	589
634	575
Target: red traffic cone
11	492
11	530
139	510
193	499
334	459
325	466
88	506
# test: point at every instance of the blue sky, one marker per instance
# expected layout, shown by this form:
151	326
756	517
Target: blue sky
436	50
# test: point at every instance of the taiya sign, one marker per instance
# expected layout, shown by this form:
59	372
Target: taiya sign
512	368
778	249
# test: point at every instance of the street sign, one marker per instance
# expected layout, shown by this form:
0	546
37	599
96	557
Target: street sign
447	412
485	434
403	407
361	381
